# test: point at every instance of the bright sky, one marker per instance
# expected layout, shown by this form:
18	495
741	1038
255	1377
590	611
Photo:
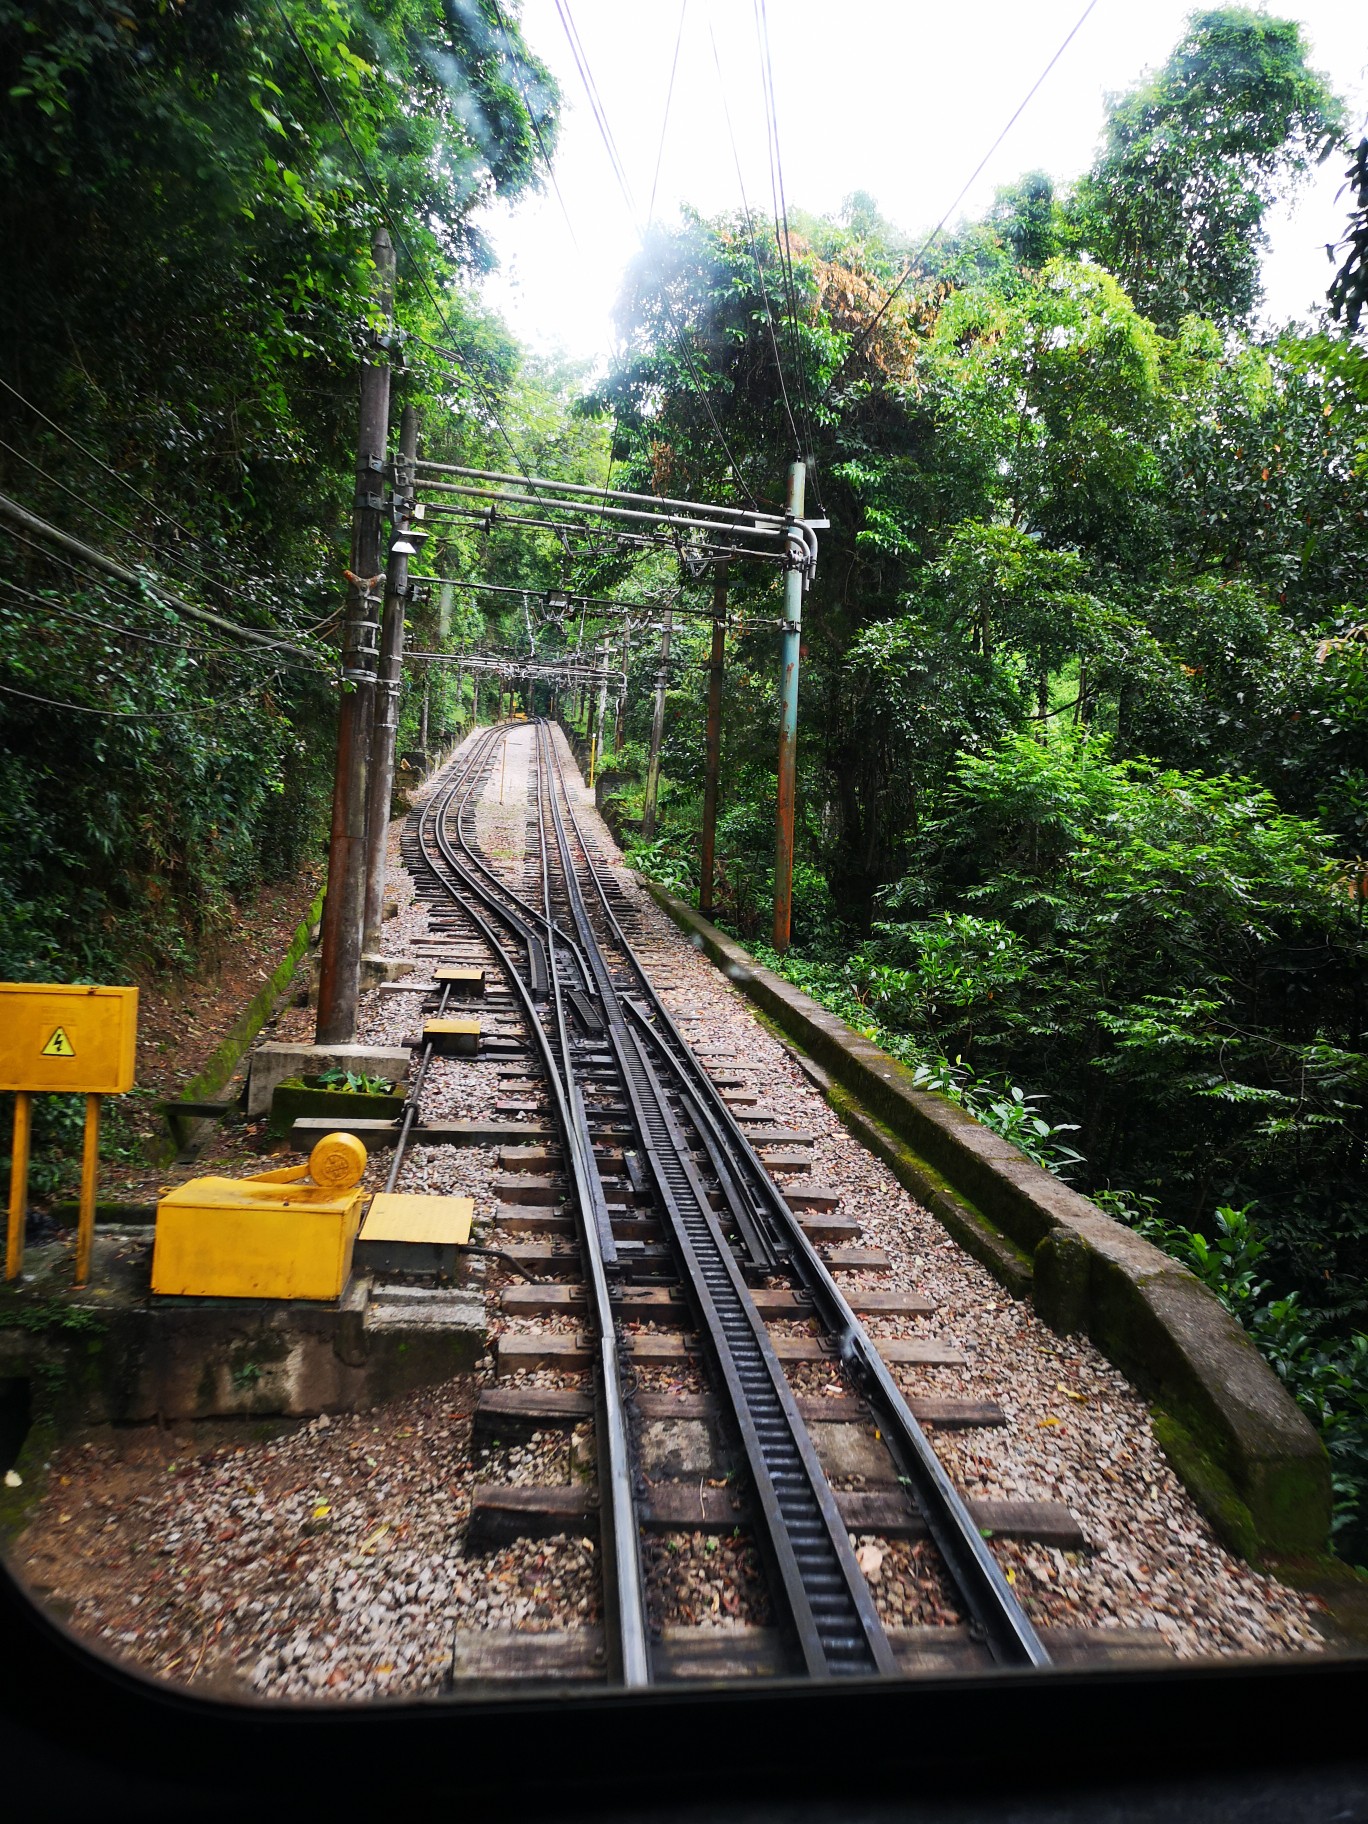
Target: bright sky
897	97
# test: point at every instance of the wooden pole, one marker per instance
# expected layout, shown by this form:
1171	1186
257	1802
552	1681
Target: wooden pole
18	1192
712	760
343	910
90	1175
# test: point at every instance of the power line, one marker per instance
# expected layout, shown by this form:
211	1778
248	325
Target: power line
754	246
912	264
665	118
124	482
399	235
61	609
536	124
190	572
122	715
614	159
785	241
17	513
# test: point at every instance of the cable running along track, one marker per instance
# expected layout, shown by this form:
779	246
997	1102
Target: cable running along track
601	1033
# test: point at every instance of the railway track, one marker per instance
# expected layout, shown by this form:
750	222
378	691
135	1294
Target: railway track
671	1205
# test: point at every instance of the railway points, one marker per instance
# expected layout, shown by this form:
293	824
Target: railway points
470	1520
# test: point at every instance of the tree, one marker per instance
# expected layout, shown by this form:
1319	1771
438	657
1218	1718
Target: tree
1194	156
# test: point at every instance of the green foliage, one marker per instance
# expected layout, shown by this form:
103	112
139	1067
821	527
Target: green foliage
357	1082
1195	156
1326	1375
179	189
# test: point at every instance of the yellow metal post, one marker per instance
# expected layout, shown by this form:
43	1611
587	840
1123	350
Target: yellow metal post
593	756
18	1197
90	1174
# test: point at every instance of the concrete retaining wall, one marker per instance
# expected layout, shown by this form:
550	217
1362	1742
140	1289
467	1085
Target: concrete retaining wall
1245	1452
225	1060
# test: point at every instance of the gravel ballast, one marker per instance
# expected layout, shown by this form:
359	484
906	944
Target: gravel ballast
328	1560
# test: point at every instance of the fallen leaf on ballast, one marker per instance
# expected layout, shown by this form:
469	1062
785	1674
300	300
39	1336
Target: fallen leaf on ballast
870	1560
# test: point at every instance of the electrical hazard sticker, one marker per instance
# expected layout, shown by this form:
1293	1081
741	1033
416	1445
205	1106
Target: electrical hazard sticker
58	1046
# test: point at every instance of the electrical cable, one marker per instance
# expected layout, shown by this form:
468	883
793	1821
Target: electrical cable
74	614
124	482
189	573
535	123
398	232
665	119
17	513
193	646
785	242
912	264
122	715
754	246
610	146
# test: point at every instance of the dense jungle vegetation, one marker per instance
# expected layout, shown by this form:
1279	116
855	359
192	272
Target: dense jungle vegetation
1083	758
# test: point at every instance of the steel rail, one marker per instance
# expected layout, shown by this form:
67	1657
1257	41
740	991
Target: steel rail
830	1611
621	1558
989	1599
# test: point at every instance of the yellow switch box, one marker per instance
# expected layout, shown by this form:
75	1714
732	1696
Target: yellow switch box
466	983
253	1238
55	1037
400	1216
459	1036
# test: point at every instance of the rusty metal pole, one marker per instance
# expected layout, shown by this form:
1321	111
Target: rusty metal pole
385	727
712	757
788	721
622	687
601	656
648	808
340	968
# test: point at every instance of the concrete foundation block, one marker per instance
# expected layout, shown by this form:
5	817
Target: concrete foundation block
376	969
272	1063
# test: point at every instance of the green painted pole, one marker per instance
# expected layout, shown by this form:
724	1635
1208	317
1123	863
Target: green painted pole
788	721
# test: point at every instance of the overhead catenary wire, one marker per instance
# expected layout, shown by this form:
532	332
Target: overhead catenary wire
913	264
619	172
785	241
754	246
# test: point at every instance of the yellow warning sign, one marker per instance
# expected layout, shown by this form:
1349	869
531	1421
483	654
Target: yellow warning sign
60	1036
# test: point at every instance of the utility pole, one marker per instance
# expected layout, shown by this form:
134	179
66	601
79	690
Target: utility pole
648	809
622	692
340	969
385	727
712	761
596	749
795	564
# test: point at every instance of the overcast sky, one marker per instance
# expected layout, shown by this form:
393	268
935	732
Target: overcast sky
897	97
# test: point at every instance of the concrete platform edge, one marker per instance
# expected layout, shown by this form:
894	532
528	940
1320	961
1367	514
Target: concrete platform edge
1246	1454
